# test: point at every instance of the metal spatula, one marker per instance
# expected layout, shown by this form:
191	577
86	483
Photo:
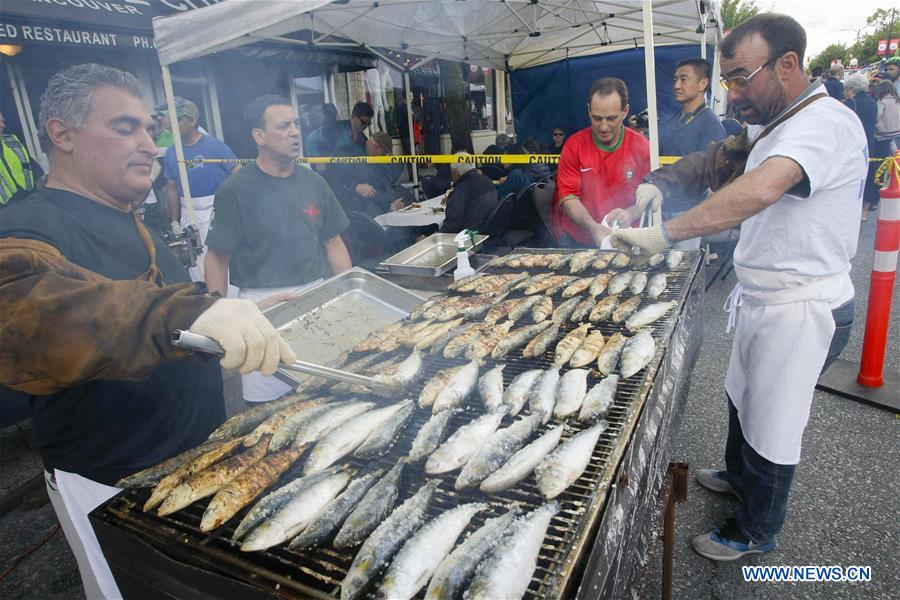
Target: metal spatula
201	343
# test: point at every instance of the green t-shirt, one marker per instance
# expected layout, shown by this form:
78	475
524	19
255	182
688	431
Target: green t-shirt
274	227
165	139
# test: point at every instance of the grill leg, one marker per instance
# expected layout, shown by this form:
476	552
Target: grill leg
678	472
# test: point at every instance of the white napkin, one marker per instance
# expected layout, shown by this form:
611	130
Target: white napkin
605	244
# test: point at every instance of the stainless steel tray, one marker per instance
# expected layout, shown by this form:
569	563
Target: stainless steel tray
333	317
432	257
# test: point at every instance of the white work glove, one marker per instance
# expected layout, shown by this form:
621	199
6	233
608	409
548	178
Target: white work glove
248	339
176	227
647	194
651	240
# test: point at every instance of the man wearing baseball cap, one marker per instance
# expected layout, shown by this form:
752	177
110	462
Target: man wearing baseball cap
204	178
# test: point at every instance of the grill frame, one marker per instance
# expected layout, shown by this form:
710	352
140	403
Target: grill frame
572	533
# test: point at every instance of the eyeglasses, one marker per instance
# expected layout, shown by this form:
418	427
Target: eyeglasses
366	121
741	82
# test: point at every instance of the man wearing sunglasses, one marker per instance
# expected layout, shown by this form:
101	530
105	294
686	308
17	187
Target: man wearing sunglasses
798	209
352	141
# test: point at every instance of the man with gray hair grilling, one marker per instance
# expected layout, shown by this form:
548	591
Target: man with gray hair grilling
88	300
471	200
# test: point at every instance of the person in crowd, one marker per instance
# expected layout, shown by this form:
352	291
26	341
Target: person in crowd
793	305
887	124
321	140
689	130
816	73
833	84
82	274
277	225
557	141
495	171
556	145
163	132
892	70
204	178
438	183
873	83
856	92
539	171
517	177
371	189
599	169
352	139
471	200
19	173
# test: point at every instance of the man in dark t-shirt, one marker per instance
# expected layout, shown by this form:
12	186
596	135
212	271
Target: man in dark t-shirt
276	226
88	300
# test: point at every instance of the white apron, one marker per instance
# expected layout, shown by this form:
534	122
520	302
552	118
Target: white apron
779	348
203	209
73	497
259	387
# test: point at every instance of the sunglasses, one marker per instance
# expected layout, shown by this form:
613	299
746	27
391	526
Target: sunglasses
742	82
558	134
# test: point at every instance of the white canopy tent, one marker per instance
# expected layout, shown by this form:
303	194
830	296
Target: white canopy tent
497	34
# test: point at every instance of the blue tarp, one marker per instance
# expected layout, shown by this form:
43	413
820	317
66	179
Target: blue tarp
555	95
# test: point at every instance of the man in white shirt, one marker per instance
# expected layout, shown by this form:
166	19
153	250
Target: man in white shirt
797	207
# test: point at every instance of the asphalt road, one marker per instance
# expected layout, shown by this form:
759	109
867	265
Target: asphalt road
842	510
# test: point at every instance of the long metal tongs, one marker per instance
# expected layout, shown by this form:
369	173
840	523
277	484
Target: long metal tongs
201	343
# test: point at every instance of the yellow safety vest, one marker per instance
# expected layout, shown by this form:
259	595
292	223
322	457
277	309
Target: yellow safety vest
15	168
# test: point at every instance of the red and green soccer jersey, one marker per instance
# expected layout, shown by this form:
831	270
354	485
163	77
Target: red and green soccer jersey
602	177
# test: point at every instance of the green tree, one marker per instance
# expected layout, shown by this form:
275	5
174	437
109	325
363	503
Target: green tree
887	26
823	59
735	12
884	24
457	105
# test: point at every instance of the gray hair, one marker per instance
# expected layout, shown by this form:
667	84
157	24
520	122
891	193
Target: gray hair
461	168
857	82
68	94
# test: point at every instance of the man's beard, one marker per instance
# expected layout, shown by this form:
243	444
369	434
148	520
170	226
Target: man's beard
764	114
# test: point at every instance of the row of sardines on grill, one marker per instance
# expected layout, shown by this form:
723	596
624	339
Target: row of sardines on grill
314	438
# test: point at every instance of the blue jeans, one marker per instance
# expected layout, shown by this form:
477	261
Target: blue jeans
763	485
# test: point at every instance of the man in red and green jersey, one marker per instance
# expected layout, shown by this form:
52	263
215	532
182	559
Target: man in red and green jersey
599	169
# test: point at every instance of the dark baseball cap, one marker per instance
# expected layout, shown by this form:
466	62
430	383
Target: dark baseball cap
183	108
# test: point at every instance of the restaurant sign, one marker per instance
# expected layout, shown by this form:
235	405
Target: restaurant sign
121	24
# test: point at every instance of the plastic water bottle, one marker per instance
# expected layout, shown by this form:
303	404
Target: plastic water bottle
463	268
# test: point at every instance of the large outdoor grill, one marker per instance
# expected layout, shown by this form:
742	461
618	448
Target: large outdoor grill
594	544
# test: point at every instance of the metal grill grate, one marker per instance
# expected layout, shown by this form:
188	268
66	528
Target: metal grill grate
318	572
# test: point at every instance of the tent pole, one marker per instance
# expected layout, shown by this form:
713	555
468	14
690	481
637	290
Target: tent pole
412	136
718	100
650	68
179	152
703	43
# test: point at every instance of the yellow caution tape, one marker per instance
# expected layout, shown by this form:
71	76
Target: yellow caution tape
424	159
419	159
892	163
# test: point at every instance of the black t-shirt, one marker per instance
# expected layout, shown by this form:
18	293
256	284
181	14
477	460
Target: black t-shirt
274	227
104	430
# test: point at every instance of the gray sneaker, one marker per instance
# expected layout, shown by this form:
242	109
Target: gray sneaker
716	481
729	543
